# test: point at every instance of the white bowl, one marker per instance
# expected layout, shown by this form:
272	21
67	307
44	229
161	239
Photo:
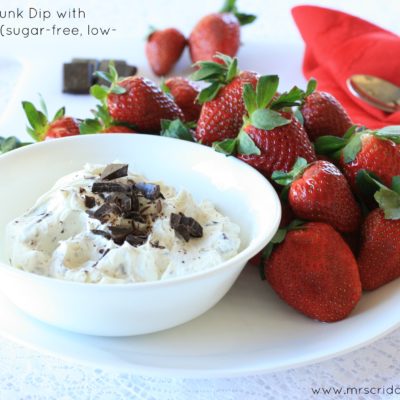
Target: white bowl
236	189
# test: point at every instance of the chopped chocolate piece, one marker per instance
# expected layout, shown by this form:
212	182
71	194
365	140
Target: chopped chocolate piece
149	190
106	211
78	77
134	215
187	227
135	201
109	187
130	70
156	245
82	190
101	233
114	171
136	240
122	200
90	201
118	233
90	61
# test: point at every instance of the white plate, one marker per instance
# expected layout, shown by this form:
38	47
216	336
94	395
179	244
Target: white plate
250	331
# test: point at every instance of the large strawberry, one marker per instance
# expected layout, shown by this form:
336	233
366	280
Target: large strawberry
374	151
324	115
163	49
271	139
313	270
184	93
223	107
319	192
42	128
135	101
218	32
379	258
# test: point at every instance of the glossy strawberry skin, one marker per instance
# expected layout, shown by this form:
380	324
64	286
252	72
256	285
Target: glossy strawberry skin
280	147
323	194
222	117
185	93
142	105
381	157
379	258
218	32
118	129
163	50
315	272
324	115
65	126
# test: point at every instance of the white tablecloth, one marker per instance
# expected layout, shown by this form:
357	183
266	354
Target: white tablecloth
28	374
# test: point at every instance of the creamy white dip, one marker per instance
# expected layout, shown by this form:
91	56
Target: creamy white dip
55	237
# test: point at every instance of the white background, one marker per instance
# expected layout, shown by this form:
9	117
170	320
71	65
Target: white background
271	45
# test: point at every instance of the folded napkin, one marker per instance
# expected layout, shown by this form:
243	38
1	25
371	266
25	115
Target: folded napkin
339	45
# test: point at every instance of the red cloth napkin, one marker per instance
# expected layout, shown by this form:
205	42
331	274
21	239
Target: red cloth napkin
339	45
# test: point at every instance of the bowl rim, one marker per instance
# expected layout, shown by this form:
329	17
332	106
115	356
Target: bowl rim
256	245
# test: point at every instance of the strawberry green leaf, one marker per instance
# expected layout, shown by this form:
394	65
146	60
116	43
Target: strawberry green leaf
99	92
350	132
229	6
267	86
117	89
328	145
249	98
208	70
37	120
43	106
225	58
10	143
59	114
112	72
226	146
246	145
89	126
289	99
299	116
245	19
232	70
367	183
396	184
389	132
286	178
389	202
352	148
176	129
209	93
311	86
267	119
164	87
106	76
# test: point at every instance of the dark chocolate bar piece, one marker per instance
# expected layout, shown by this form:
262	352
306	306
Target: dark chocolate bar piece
114	171
110	187
78	77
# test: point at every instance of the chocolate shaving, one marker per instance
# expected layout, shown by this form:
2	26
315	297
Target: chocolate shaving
136	240
101	233
150	191
110	187
134	215
187	227
106	211
114	171
122	200
90	201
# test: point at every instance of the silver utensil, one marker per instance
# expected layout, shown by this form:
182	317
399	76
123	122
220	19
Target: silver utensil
375	91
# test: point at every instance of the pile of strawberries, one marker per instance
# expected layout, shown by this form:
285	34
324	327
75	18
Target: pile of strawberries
339	184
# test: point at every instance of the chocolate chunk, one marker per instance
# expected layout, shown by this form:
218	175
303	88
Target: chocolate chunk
90	201
101	233
118	233
136	240
90	61
187	227
110	187
106	211
114	171
134	215
149	190
78	77
122	200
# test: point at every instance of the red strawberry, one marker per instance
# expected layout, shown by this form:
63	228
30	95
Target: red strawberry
379	258
324	115
185	94
270	139
41	128
374	151
118	129
218	33
314	271
319	192
223	109
163	49
135	101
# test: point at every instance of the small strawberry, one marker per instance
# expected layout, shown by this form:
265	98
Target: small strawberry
374	151
185	93
223	107
163	49
324	115
314	271
271	139
135	101
379	258
319	192
41	128
218	32
103	123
